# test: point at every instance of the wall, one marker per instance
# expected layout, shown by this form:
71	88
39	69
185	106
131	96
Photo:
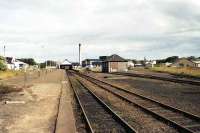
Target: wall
118	66
197	65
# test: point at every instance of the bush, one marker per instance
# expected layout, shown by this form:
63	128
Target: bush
3	66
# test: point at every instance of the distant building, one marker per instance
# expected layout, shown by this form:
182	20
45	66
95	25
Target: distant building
75	65
139	64
114	63
168	64
10	63
197	63
14	64
131	64
65	65
150	63
90	63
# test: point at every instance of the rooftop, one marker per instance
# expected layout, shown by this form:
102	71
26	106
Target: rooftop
115	58
66	62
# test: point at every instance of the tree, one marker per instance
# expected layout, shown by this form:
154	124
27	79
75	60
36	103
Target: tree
134	61
159	61
191	58
171	59
29	61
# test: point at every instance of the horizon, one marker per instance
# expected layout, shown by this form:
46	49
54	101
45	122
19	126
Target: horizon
102	55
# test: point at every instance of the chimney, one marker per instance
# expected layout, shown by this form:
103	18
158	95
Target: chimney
80	63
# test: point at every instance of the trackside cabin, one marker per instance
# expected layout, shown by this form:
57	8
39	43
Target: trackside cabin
114	63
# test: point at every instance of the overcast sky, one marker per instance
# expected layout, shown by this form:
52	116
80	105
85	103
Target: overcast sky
52	29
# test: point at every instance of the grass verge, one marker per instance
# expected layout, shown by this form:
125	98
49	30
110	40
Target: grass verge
9	74
187	72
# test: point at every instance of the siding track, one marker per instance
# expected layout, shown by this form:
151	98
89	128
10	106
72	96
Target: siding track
99	117
183	121
175	80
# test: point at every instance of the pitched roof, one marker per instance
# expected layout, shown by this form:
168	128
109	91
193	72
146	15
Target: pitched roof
91	60
66	62
115	58
20	62
196	61
9	60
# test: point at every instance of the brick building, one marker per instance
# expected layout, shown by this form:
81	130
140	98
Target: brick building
114	63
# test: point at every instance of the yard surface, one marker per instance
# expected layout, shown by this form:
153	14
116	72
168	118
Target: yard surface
31	104
183	96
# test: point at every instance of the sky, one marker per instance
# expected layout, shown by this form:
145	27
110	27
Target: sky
134	29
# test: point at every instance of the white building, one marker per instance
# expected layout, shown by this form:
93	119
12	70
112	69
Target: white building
197	63
13	64
131	64
168	64
150	63
65	65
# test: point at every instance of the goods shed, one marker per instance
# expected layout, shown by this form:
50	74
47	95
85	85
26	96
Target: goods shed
114	63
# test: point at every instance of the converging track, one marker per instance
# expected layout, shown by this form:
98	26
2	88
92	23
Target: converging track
98	116
183	121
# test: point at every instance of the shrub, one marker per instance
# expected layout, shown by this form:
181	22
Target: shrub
3	66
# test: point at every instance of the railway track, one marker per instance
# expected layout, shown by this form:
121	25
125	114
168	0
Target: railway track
98	116
184	122
192	82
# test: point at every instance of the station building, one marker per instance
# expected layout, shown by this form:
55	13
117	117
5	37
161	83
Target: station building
66	65
114	63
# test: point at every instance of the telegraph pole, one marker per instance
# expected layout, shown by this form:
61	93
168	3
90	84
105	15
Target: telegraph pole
79	54
4	51
46	64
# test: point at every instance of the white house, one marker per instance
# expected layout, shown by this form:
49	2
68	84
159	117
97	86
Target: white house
150	63
10	63
168	64
197	63
131	64
20	65
14	64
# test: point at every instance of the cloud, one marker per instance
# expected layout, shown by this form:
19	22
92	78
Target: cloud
133	29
